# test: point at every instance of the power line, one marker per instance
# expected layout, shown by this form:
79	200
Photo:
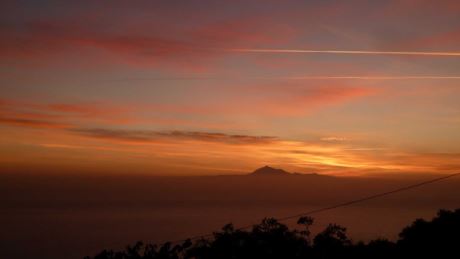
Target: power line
332	207
375	196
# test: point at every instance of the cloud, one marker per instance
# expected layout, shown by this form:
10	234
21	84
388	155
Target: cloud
334	139
99	111
60	146
155	136
285	98
106	113
33	123
64	112
44	39
191	48
288	98
291	99
248	31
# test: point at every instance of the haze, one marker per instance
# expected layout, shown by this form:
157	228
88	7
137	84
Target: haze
139	120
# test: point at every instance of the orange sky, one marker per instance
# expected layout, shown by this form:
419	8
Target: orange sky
346	88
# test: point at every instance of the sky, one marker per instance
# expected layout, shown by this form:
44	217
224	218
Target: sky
224	87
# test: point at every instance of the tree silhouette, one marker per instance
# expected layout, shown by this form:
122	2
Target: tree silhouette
440	236
331	242
271	239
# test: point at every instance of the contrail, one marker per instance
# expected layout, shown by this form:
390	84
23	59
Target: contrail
308	77
352	52
369	77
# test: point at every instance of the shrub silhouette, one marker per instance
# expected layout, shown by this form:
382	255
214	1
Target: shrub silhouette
437	238
440	236
331	242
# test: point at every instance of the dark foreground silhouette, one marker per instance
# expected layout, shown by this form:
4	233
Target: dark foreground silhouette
438	238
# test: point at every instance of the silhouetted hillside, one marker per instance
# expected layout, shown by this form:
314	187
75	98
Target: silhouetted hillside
438	238
269	171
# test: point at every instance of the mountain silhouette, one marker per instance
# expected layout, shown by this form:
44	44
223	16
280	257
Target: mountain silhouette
269	171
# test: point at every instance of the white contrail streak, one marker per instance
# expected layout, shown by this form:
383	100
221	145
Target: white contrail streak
369	77
352	52
308	77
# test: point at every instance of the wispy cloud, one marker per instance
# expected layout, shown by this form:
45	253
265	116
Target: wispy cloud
300	98
152	136
267	99
65	113
33	123
334	139
192	49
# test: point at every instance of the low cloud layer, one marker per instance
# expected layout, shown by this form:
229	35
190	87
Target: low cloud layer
151	136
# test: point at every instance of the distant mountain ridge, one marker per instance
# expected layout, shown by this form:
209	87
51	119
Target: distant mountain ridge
270	171
267	170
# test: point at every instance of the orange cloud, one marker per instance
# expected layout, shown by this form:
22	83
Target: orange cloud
294	98
152	150
218	149
334	139
290	98
42	42
282	99
33	123
189	48
109	114
100	111
152	136
64	112
249	31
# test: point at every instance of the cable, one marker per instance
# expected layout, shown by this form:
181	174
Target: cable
332	207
